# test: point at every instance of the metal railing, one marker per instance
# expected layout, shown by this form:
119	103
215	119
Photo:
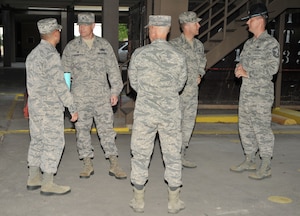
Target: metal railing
217	15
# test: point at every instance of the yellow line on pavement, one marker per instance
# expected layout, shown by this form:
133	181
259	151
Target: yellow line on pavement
126	130
12	107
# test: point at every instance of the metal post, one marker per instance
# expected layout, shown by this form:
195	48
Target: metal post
225	19
279	75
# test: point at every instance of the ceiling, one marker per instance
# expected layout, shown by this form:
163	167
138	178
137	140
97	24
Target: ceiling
24	4
22	7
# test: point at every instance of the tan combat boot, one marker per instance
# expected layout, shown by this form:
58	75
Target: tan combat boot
115	170
49	188
34	180
247	165
264	170
185	162
138	203
175	204
88	169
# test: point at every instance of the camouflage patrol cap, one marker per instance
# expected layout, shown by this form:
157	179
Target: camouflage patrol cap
255	10
48	25
86	18
159	20
188	17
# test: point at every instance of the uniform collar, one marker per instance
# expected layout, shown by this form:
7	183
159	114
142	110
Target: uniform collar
262	35
158	41
43	41
183	39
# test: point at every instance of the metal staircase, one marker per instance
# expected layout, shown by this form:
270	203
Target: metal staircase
221	28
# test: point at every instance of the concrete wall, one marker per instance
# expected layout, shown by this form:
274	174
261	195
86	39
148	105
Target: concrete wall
172	8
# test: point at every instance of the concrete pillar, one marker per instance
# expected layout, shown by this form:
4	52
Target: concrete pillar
110	23
63	35
172	8
278	83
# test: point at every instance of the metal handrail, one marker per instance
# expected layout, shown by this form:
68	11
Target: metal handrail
241	7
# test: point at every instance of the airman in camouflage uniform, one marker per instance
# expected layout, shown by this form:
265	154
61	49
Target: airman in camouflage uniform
157	72
91	59
48	95
196	61
259	62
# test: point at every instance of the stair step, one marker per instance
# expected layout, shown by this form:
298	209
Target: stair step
215	41
230	30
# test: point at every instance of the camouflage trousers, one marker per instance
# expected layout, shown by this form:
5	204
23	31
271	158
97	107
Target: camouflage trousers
189	111
142	143
47	141
255	127
103	117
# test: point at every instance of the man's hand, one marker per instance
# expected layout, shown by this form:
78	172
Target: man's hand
199	79
240	72
74	117
114	100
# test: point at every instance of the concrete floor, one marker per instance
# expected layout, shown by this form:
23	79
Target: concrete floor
209	190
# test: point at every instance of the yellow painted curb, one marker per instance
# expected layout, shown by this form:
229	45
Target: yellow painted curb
293	114
122	130
69	130
280	199
217	119
283	120
118	130
215	132
94	130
